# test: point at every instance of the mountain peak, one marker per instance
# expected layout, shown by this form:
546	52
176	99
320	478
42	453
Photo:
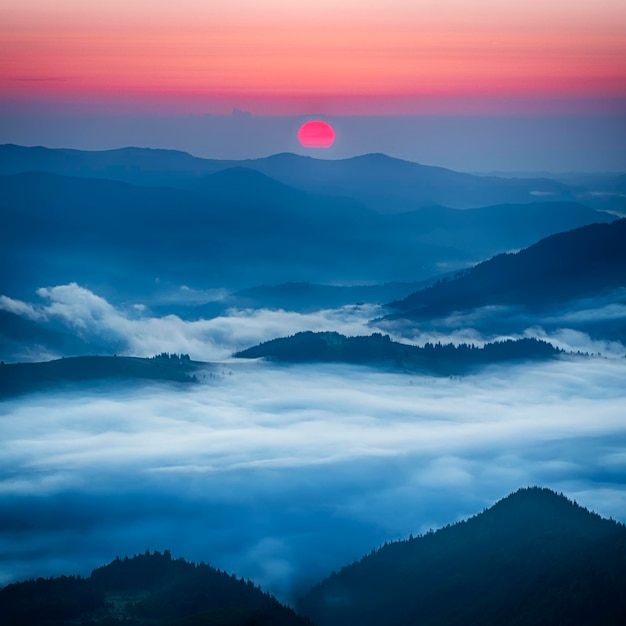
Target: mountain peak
534	557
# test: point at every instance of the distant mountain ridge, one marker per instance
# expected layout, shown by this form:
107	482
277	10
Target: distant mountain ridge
239	227
378	181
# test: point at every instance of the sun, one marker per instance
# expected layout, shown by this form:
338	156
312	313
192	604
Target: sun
316	134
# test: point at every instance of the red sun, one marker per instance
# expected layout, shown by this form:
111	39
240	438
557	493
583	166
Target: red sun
316	134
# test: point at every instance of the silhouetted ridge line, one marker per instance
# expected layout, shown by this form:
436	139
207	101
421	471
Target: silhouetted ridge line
534	558
366	177
332	347
149	589
582	262
22	377
232	224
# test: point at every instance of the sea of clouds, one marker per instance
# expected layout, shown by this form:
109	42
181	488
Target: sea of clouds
285	473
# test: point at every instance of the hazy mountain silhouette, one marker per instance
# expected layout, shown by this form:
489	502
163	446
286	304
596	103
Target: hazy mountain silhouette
380	182
332	347
514	225
587	261
244	189
606	192
149	589
534	558
100	231
238	227
388	184
23	377
141	166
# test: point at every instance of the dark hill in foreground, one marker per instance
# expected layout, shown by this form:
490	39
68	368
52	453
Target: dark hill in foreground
579	263
534	559
22	377
149	589
332	347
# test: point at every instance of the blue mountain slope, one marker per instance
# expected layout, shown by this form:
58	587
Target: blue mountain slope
534	558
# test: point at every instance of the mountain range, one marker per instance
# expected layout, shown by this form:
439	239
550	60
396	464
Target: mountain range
533	558
377	180
116	244
380	182
575	279
372	178
137	217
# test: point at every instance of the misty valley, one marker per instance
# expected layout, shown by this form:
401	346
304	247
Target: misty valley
292	390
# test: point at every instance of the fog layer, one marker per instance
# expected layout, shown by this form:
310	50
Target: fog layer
282	474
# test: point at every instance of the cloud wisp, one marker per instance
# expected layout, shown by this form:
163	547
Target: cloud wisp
134	331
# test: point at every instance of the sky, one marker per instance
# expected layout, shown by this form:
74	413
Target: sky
104	65
280	57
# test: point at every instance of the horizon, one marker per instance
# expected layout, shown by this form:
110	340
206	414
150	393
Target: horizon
519	88
614	162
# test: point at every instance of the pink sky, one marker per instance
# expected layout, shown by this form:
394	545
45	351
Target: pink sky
333	57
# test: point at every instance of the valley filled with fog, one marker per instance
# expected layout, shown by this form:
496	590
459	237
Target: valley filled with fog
284	473
131	278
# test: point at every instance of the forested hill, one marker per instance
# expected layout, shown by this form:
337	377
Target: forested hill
579	263
534	558
332	347
146	590
21	377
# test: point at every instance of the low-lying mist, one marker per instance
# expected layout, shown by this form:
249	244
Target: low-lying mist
133	330
592	326
282	474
